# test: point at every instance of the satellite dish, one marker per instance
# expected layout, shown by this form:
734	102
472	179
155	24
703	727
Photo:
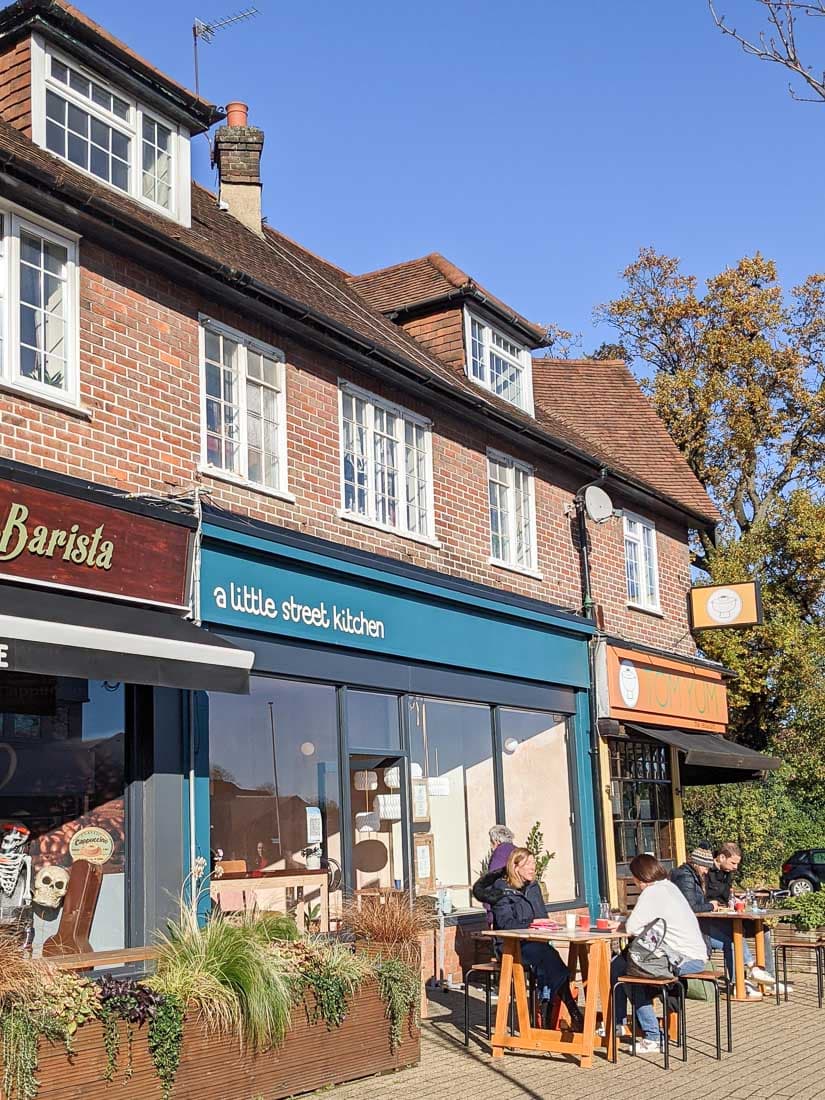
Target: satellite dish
597	504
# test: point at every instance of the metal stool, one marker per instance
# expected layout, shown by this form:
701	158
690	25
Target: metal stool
819	954
711	978
486	970
663	986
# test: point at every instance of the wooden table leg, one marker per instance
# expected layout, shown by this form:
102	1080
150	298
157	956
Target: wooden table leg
505	981
525	1024
740	993
606	1001
594	971
759	937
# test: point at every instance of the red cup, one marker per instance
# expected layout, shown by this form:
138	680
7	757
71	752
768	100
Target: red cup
602	923
739	906
583	921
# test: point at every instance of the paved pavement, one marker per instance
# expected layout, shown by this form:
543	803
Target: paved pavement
778	1053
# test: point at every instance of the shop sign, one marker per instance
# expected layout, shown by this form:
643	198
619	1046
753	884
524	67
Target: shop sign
716	606
274	597
92	844
56	540
665	691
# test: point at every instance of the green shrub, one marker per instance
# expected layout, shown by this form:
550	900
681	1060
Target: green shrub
808	910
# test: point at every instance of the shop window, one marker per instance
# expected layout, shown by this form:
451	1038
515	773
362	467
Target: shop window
641	563
453	797
642	801
244	409
537	791
512	512
373	720
62	753
273	765
386	466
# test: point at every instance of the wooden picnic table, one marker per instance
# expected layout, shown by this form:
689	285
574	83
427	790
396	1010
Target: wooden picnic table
589	953
737	921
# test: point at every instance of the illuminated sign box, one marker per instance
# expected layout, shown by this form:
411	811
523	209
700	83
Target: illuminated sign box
716	606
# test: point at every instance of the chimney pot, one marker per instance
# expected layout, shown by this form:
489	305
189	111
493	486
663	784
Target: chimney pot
237	113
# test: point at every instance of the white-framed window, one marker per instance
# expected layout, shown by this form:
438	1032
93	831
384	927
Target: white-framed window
102	130
641	562
498	363
386	464
39	350
512	512
243	408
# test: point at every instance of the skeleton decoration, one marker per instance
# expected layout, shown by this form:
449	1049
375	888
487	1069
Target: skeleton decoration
50	886
15	878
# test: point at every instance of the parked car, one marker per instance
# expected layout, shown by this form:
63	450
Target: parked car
804	871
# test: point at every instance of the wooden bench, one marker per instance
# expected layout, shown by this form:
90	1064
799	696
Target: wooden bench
89	960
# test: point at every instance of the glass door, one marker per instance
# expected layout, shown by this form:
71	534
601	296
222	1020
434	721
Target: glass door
378	823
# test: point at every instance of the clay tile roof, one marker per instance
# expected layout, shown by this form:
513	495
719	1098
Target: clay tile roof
24	13
603	403
430	280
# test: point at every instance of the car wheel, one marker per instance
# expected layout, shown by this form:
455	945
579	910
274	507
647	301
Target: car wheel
799	886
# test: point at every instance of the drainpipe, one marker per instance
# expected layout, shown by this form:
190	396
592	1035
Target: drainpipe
589	608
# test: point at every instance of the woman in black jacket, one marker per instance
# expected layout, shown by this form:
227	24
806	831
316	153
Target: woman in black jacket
516	901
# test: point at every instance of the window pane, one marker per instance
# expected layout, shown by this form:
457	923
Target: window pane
523	519
67	741
264	782
651	580
452	744
477	364
631	550
223	412
355	454
499	489
534	744
372	720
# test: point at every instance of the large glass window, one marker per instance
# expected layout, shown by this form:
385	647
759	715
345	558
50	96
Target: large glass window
62	753
453	794
385	455
537	791
273	756
373	720
641	800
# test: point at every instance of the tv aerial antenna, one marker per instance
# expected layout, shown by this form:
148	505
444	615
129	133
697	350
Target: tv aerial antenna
207	31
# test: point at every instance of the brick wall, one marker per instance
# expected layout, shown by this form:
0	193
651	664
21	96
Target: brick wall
140	430
15	86
441	333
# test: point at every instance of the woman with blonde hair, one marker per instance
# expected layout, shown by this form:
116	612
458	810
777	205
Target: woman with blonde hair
516	901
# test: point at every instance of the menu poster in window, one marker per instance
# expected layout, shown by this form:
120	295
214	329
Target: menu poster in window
420	801
424	861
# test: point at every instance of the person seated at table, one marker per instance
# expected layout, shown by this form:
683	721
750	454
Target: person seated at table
719	891
515	900
502	843
683	942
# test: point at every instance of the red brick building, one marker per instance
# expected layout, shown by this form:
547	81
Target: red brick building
163	344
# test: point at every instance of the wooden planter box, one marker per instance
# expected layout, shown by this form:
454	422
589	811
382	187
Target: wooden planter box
310	1057
804	961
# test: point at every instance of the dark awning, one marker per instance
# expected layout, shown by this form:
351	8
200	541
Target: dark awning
60	635
710	751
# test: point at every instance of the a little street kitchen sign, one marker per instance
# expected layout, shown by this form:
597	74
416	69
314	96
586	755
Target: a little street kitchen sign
61	541
253	601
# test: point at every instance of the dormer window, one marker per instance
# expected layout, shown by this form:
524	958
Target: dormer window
497	363
101	130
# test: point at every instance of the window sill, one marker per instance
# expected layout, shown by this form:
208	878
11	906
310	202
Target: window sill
363	521
242	483
534	573
656	612
62	404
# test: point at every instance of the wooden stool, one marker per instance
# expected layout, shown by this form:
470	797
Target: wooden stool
662	987
819	954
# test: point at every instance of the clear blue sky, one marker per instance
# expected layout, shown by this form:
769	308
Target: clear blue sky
536	143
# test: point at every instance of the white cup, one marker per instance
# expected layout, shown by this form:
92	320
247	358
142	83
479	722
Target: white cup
570	922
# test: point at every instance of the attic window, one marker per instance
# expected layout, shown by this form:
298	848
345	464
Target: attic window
79	117
497	363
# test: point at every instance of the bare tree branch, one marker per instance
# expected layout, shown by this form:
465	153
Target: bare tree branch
780	47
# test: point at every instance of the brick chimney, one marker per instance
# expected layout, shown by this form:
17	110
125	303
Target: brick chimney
237	154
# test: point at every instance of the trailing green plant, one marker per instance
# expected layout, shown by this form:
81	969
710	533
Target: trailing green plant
130	1001
71	1000
808	910
535	846
332	973
165	1041
22	1030
399	986
227	974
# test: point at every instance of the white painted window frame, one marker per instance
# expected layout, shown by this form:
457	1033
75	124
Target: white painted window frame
530	570
643	603
402	415
525	361
245	343
180	210
15	220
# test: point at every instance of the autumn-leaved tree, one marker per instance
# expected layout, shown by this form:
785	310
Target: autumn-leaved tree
736	370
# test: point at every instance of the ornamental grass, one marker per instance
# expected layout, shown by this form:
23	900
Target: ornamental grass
390	920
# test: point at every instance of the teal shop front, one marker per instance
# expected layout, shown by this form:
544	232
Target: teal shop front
394	716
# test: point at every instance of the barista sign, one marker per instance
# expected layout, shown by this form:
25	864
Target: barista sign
64	542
